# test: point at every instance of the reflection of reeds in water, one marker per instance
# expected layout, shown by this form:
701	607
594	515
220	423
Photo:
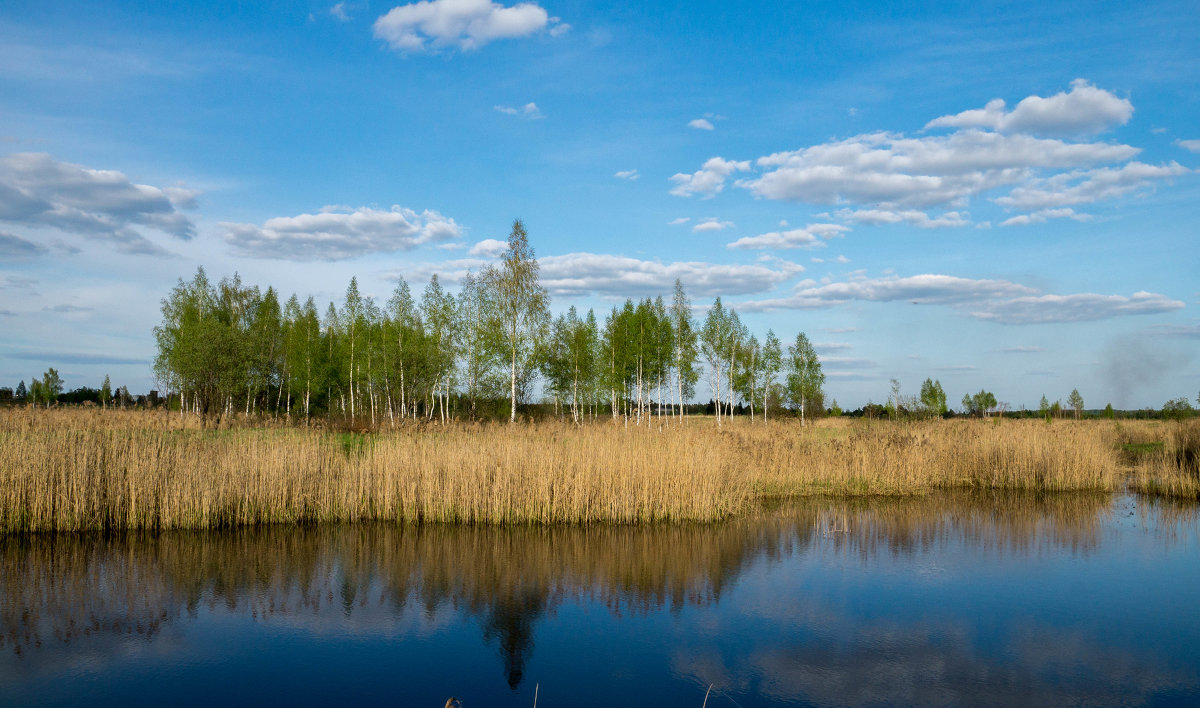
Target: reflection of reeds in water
64	588
74	470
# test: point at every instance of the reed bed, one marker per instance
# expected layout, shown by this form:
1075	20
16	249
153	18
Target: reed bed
1172	469
92	470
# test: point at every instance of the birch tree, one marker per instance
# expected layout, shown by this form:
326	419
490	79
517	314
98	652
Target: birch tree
805	378
520	307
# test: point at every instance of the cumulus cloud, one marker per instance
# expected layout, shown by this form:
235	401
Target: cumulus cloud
811	236
1021	159
1193	145
529	110
14	247
1081	307
430	25
488	248
914	217
678	221
897	172
38	191
712	223
338	12
627	174
1088	186
709	179
337	233
701	124
1083	109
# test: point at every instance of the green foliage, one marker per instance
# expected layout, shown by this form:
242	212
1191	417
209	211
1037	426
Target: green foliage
1109	413
805	378
933	399
106	392
979	404
1075	401
520	311
1178	409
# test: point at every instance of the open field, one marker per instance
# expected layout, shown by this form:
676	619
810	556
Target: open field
76	470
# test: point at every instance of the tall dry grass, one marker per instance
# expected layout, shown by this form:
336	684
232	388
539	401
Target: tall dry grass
85	470
1172	470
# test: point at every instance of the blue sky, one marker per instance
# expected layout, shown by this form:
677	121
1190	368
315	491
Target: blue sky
998	196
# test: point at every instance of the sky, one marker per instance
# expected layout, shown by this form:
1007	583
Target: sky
1000	196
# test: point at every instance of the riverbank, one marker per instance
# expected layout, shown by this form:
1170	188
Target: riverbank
76	470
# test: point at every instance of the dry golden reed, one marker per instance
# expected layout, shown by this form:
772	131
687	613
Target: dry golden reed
88	470
1173	470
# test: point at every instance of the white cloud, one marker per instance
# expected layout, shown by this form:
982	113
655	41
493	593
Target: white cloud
1193	145
432	24
842	259
915	217
917	289
678	221
896	172
488	248
39	191
339	12
1011	157
1088	186
1021	350
712	223
337	233
583	274
811	236
529	110
709	179
1044	215
1081	307
1084	109
627	174
999	301
701	124
577	274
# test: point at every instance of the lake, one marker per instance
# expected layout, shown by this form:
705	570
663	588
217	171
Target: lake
991	599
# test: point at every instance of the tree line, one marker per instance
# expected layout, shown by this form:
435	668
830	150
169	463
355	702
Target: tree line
231	347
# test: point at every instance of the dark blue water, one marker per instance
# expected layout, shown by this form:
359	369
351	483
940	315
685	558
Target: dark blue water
950	600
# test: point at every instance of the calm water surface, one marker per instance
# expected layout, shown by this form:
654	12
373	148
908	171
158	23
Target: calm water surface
955	599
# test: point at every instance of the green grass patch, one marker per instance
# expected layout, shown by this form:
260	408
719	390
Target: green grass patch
1142	448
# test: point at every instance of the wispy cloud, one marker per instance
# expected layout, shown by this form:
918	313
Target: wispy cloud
529	110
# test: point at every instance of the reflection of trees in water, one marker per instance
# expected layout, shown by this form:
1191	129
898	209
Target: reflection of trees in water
66	588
